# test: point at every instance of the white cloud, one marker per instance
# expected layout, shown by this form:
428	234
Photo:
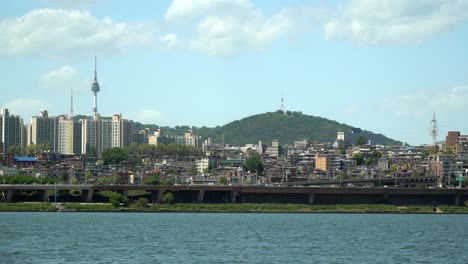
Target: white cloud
182	11
424	102
26	107
372	22
64	79
63	33
168	41
149	116
226	27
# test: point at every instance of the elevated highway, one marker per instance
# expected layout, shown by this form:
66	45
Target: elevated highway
247	194
389	181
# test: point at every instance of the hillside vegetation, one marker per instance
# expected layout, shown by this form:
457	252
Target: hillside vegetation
286	127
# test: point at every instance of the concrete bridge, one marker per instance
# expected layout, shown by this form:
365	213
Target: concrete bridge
390	181
249	194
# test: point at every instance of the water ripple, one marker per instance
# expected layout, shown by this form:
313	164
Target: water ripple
231	238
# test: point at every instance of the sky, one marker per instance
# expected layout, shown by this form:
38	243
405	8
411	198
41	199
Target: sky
381	65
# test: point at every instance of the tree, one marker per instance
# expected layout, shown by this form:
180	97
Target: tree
168	198
142	202
210	171
64	177
116	199
253	164
359	158
15	149
88	176
361	140
104	180
376	154
448	151
368	161
343	176
114	155
193	170
223	181
465	181
393	168
153	180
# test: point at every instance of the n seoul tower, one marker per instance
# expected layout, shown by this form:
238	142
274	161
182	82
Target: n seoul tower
95	87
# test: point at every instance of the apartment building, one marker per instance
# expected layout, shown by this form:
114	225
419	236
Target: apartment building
69	135
43	129
11	131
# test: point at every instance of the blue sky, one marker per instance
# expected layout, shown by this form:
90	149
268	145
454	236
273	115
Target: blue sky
381	65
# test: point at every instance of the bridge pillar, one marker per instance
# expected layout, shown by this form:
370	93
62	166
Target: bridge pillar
201	195
159	196
8	196
87	195
457	200
232	196
154	197
311	198
123	192
386	197
44	195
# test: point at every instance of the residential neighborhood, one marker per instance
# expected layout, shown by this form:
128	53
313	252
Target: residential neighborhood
107	150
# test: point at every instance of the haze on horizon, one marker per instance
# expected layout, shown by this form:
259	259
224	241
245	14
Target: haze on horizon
384	66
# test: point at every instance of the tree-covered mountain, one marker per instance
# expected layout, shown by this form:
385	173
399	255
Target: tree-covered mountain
286	127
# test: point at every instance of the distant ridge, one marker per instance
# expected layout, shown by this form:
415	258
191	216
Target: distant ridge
286	127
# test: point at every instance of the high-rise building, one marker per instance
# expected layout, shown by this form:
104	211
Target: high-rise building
43	130
100	133
69	131
91	142
122	131
11	131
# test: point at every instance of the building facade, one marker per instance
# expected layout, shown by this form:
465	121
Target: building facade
69	131
43	130
11	131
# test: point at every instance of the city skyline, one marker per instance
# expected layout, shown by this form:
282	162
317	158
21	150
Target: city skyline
208	63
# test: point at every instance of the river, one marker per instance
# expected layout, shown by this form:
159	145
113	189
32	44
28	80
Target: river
232	238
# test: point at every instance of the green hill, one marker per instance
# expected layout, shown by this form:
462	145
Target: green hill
287	128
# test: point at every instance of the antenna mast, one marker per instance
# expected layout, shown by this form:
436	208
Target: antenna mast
282	103
71	104
434	130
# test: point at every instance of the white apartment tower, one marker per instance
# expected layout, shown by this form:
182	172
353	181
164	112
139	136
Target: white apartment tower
69	132
122	131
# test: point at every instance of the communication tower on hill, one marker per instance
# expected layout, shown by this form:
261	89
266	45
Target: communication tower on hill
95	87
282	104
434	130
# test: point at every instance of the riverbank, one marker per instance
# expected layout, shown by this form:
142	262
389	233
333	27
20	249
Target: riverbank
234	208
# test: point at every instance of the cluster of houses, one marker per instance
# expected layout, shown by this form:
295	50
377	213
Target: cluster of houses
298	162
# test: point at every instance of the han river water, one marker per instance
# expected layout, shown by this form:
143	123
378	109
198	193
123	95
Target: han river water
232	238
